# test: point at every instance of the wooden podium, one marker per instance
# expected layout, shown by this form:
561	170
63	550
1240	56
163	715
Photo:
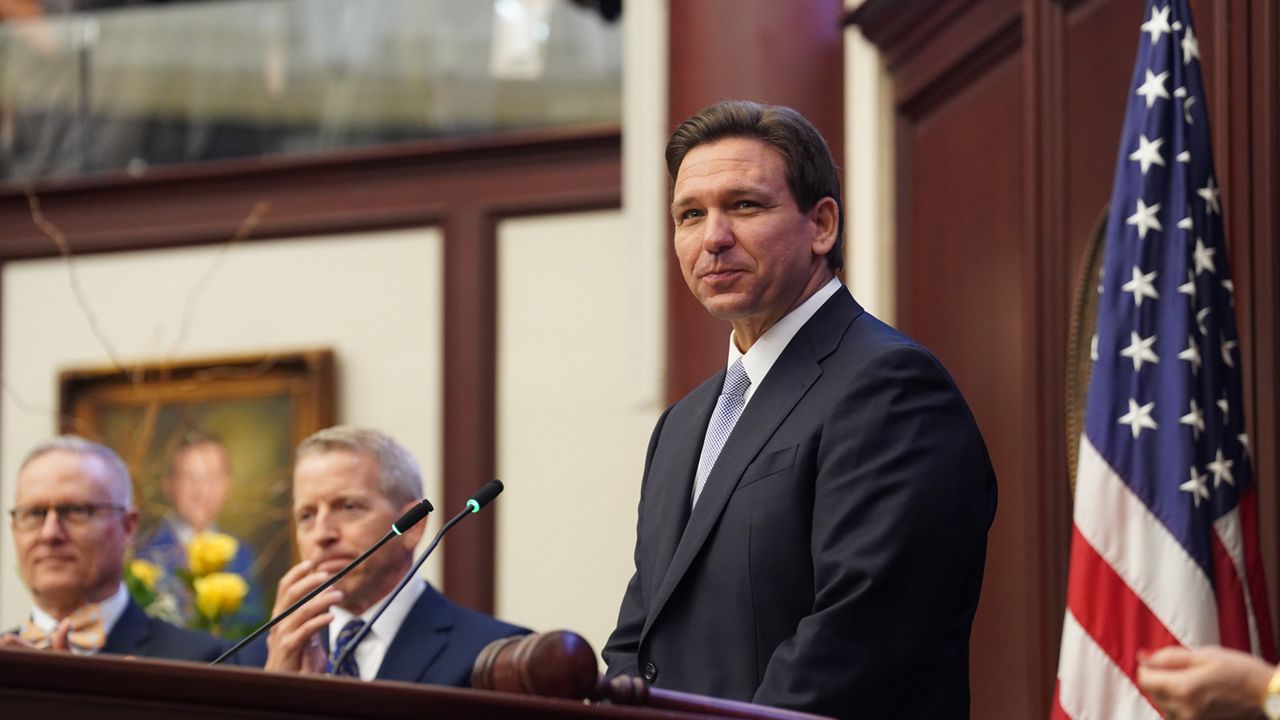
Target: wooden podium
54	686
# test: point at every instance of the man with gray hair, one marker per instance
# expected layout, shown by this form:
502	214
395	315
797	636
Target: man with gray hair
349	485
72	519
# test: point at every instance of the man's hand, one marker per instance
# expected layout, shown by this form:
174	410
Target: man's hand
59	639
13	640
1208	683
294	644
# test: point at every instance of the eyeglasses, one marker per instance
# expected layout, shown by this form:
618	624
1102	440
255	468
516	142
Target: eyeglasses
31	517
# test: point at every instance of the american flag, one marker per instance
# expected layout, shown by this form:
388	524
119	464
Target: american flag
1164	547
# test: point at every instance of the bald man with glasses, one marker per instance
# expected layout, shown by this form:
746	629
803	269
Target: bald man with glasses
72	520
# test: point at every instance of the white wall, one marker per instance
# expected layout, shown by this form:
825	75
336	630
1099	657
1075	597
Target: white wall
575	411
868	176
581	372
375	298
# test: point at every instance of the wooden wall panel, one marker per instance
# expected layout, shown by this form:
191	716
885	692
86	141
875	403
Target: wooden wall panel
1099	43
787	53
1006	275
961	274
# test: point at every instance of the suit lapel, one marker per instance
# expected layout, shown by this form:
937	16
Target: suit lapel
422	637
795	371
131	632
681	463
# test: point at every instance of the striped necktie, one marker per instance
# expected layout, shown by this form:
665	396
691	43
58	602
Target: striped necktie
728	408
349	667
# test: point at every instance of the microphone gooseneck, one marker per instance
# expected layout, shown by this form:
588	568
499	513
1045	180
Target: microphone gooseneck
475	503
411	517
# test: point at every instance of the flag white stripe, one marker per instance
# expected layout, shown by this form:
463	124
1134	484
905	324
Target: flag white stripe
1091	686
1142	551
1232	537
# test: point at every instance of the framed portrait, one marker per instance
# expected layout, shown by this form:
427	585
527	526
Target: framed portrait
209	444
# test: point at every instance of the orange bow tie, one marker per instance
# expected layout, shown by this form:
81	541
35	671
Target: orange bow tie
88	634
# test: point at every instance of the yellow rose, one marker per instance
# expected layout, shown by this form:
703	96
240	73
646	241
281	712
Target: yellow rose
210	552
146	572
219	594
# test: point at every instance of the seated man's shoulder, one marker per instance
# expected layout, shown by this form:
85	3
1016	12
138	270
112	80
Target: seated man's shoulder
171	642
487	625
469	624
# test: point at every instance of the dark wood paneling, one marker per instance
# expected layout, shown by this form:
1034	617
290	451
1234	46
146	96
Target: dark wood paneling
964	253
994	287
1101	44
465	186
785	53
1261	297
1239	49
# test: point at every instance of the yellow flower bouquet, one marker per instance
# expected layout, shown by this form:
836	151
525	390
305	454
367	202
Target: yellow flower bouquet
209	552
219	594
215	595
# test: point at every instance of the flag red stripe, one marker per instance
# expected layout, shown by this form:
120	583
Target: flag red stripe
1233	617
1109	611
1056	712
1257	582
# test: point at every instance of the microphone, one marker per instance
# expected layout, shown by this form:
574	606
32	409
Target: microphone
475	503
411	517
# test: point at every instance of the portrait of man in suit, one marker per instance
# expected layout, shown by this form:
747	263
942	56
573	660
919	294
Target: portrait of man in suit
813	519
197	481
349	485
72	519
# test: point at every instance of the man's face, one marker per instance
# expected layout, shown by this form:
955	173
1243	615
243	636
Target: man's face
339	512
198	484
66	565
747	252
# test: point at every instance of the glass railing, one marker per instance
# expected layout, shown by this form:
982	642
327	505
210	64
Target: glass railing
123	87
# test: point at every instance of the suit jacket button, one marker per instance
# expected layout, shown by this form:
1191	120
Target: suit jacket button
650	672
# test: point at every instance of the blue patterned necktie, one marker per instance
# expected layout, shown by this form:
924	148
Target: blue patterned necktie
728	408
349	667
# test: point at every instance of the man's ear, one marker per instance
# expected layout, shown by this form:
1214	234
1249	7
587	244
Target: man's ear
129	518
825	216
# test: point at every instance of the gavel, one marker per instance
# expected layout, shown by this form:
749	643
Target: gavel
561	664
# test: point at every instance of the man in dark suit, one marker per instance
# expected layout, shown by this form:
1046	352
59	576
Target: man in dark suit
72	520
813	520
349	486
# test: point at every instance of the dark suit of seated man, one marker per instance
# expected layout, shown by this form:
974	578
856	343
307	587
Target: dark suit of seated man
349	486
72	520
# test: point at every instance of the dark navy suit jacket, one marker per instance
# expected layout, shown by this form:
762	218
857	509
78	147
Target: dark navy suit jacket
833	561
437	644
135	633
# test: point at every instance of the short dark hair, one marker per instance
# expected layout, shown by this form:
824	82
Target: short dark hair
191	439
811	171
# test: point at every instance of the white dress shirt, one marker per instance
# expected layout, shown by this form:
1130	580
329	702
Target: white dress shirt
371	651
111	609
760	357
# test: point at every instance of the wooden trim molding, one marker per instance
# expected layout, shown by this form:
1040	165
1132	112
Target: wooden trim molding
466	186
796	58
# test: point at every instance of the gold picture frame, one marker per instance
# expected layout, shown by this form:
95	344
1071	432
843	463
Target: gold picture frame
257	407
1084	321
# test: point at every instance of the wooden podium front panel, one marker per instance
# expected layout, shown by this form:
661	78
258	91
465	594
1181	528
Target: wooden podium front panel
53	686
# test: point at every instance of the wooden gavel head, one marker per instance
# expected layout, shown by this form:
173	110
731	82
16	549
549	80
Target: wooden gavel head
559	664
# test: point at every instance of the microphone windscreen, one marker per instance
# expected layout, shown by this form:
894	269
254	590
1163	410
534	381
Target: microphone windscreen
485	495
412	516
